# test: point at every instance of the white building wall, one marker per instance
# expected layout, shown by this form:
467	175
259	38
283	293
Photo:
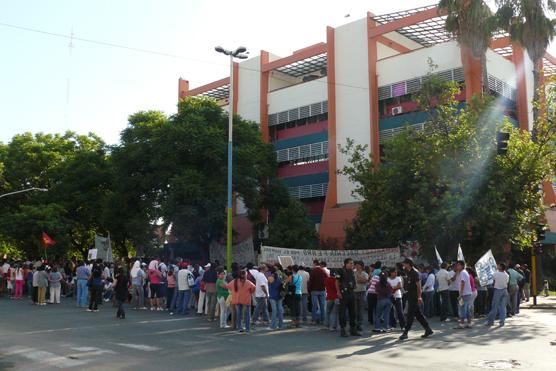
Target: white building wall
501	68
248	100
298	95
384	51
414	64
400	39
352	96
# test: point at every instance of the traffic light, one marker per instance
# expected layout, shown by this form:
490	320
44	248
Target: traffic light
541	232
502	139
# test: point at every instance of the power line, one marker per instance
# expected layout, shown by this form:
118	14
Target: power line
72	37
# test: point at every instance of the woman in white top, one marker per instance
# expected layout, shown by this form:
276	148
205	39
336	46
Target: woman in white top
18	282
396	283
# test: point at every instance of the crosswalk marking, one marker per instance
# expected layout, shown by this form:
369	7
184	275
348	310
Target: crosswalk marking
146	348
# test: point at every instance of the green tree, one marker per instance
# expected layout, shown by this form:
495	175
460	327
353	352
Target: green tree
73	168
291	228
446	185
472	24
528	23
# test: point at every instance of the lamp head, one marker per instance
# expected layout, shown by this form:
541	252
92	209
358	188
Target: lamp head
239	50
220	49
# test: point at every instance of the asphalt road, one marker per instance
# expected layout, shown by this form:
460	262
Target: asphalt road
65	337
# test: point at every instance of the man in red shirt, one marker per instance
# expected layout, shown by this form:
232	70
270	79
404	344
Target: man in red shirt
317	291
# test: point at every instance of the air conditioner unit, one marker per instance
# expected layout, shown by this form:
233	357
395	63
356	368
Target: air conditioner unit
398	110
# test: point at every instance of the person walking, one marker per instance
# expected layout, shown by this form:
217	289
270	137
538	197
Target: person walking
82	275
185	282
414	299
500	296
55	281
345	284
120	291
465	298
526	283
261	294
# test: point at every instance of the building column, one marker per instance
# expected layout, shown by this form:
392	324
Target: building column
521	85
264	97
373	91
332	193
183	88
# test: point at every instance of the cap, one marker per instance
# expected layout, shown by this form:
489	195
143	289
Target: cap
207	266
408	261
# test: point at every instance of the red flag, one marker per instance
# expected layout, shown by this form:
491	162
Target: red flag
47	241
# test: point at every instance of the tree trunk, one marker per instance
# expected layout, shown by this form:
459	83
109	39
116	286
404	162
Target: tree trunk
536	80
484	75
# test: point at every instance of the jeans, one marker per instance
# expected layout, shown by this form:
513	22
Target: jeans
260	306
347	302
480	303
428	302
137	296
211	304
371	307
444	304
304	302
277	313
398	311
223	311
513	298
295	309
499	302
82	293
243	310
318	299
332	313
360	298
183	301
382	318
464	308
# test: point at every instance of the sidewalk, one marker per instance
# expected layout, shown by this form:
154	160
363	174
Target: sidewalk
542	303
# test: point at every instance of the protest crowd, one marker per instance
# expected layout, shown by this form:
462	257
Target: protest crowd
253	297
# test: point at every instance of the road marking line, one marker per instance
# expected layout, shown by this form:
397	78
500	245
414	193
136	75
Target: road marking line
146	348
53	359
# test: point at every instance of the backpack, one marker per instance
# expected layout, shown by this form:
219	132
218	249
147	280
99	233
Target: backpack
190	280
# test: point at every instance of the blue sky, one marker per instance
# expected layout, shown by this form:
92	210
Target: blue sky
44	87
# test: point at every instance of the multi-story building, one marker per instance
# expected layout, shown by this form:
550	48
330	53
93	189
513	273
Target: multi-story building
359	85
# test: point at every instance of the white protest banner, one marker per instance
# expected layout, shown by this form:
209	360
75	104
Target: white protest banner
92	255
333	258
485	267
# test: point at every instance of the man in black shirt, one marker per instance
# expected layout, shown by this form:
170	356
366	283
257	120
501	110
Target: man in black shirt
345	284
414	298
526	282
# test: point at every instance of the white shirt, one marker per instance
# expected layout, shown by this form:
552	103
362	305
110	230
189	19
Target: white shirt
443	279
501	280
464	277
304	282
429	283
260	282
393	283
454	285
182	280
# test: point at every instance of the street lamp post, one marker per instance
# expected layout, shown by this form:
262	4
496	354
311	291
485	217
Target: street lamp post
239	53
24	190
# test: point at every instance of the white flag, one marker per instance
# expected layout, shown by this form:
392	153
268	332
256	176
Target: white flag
485	268
438	258
460	253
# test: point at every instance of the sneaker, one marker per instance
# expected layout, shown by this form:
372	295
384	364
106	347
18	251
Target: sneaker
95	310
171	313
152	308
502	324
88	310
469	324
403	336
427	333
488	324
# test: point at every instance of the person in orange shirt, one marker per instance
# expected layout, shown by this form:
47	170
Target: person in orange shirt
242	289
